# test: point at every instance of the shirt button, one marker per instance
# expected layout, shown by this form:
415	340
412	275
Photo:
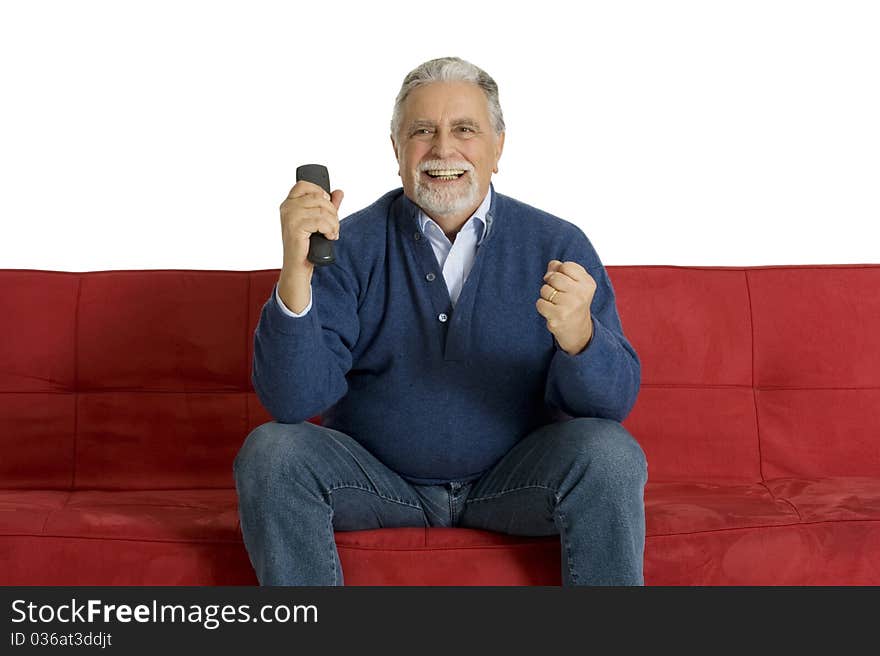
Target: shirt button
442	317
430	277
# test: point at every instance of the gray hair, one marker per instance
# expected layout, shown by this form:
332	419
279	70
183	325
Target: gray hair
449	69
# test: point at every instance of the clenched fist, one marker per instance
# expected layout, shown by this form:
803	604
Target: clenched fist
565	303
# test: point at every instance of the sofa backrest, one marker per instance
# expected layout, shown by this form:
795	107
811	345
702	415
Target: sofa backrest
141	379
753	373
126	379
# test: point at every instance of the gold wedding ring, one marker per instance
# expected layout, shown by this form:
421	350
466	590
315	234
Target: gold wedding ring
553	295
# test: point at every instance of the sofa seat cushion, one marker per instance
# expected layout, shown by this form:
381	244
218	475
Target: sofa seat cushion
447	556
693	507
192	537
25	512
212	514
788	531
166	537
188	515
672	508
783	531
840	498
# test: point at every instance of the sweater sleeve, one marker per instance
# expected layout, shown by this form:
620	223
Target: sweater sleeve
300	363
603	380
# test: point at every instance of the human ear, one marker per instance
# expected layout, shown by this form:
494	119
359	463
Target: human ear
498	148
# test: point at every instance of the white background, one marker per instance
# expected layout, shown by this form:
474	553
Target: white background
165	134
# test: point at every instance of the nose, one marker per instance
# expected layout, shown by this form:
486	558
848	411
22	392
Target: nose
442	146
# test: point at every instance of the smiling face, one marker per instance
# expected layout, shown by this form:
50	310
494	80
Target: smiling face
445	127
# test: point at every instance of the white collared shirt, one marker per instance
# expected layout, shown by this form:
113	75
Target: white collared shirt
456	259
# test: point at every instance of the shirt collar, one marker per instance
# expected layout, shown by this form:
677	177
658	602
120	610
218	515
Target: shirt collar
483	223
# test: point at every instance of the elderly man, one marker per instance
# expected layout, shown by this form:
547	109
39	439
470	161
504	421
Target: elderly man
465	354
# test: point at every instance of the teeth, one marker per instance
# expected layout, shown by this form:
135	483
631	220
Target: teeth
445	173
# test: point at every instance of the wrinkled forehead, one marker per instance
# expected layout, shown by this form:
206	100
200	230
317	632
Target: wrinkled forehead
451	103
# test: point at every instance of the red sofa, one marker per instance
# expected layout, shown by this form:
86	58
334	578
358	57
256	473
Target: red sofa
125	395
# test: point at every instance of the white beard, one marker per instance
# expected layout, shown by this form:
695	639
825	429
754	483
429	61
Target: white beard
441	201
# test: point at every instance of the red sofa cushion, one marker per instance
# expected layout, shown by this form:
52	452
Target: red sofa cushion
695	412
786	531
37	378
817	370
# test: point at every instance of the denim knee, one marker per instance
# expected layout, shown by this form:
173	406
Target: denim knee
605	447
267	449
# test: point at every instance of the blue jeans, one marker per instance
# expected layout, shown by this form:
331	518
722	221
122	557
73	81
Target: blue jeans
582	479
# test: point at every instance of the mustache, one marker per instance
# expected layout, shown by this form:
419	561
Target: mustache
440	164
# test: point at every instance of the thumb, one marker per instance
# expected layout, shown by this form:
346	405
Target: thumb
336	198
553	265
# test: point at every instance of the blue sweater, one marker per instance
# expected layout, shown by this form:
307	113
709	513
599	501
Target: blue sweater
435	393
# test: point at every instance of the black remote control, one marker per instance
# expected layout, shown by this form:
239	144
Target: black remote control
320	248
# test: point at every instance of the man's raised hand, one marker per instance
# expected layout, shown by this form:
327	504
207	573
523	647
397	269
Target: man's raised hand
564	302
